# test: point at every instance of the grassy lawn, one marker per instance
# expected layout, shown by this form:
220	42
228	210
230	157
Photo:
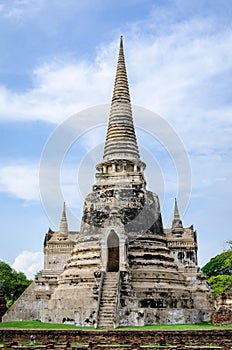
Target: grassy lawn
199	326
41	325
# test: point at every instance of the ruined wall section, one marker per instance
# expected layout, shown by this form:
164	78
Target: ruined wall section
182	243
57	249
223	313
76	297
183	246
31	305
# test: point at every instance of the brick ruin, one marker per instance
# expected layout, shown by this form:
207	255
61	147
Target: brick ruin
123	267
223	313
118	339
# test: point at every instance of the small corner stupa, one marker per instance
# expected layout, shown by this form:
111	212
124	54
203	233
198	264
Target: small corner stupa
122	268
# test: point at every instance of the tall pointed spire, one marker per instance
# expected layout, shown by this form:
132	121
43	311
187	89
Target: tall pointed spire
121	87
176	223
63	222
121	140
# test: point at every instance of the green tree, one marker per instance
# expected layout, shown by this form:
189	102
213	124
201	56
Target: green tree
219	283
13	283
218	271
221	264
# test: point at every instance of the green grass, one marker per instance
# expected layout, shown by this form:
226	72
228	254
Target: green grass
198	326
41	325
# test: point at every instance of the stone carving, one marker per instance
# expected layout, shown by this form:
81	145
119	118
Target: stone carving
124	269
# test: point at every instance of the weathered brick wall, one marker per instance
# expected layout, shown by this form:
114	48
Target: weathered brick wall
223	316
219	337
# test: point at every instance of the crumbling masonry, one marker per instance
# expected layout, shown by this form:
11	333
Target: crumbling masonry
122	268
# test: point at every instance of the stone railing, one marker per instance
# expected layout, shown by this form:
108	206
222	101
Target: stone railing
116	316
99	298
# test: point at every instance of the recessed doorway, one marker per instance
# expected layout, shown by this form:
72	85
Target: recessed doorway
113	252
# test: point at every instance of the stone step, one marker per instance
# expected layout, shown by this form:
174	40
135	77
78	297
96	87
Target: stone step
106	311
106	294
110	286
110	280
104	321
108	297
111	306
106	314
108	290
108	300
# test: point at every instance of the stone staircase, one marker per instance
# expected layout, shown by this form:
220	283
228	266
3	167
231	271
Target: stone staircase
108	300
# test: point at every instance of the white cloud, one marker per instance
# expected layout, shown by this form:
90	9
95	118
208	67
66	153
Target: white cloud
29	263
190	65
19	9
20	181
60	90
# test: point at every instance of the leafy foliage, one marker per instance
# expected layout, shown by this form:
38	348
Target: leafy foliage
219	283
218	271
13	283
221	264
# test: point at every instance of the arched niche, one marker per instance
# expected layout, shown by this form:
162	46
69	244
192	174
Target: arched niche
112	252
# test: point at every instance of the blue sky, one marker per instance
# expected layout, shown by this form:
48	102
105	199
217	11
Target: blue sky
58	58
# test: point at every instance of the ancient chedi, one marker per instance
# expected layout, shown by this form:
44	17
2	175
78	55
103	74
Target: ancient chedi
124	268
